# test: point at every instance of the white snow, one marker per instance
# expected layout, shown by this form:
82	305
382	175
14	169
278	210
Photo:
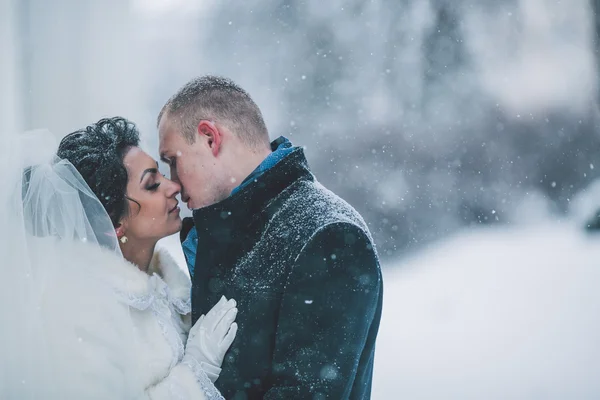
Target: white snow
494	314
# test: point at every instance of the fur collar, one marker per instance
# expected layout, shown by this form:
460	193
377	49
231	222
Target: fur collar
164	279
164	265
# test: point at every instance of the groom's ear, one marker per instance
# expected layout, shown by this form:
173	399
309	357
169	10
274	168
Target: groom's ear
209	131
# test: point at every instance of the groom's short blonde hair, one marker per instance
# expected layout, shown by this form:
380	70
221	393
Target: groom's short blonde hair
218	99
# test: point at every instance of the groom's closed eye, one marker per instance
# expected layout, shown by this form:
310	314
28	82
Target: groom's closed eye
169	161
172	163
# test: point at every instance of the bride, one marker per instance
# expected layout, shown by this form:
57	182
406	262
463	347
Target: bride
91	308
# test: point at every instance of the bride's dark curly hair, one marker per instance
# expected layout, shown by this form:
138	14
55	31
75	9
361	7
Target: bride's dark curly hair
97	152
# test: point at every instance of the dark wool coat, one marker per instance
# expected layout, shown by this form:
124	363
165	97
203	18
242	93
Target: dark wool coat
302	267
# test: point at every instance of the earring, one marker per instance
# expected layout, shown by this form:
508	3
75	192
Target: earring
124	239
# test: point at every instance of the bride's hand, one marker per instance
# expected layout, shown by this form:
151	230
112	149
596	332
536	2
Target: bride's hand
211	336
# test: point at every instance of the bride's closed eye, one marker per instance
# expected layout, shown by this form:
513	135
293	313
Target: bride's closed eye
155	186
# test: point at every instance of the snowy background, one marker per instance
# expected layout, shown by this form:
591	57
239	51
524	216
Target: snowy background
465	132
494	314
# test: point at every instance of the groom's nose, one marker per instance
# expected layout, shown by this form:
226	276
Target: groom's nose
174	176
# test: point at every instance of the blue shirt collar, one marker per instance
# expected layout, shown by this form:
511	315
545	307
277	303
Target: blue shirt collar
280	147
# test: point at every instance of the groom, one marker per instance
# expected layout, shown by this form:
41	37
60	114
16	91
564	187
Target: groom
297	258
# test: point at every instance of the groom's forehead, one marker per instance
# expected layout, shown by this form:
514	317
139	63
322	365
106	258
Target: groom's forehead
166	133
169	130
166	127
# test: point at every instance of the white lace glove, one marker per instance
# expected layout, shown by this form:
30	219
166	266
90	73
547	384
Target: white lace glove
210	338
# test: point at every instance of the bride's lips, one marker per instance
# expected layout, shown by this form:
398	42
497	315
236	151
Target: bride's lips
174	208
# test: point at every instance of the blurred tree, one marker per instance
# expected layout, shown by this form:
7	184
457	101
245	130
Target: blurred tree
392	99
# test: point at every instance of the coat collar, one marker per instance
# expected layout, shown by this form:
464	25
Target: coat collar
253	197
229	223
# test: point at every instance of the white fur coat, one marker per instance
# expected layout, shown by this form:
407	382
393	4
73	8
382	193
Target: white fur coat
113	330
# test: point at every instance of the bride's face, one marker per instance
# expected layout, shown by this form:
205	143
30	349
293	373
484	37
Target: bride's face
153	208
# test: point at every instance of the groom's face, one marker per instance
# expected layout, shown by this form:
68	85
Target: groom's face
192	165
